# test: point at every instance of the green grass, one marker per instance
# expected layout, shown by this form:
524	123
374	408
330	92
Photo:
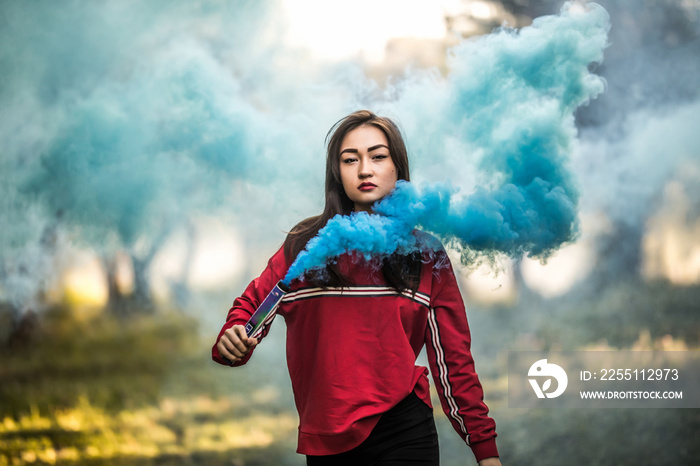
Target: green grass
136	391
144	391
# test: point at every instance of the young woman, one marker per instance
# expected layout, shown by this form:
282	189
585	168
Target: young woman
355	330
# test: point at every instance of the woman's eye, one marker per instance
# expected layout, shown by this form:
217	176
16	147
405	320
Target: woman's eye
349	160
380	157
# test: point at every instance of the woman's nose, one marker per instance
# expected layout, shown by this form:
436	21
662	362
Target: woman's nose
365	170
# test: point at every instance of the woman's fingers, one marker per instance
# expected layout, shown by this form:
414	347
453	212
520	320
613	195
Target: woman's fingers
235	344
227	349
243	336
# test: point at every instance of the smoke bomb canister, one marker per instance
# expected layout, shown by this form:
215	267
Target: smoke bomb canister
265	312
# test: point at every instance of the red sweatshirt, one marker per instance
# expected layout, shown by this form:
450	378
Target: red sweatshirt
351	353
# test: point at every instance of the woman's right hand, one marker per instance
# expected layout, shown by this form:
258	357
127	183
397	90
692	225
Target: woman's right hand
234	344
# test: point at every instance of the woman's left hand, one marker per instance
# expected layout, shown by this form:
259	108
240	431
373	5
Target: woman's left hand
493	461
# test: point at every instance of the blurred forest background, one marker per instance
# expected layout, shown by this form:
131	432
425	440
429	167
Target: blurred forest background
153	154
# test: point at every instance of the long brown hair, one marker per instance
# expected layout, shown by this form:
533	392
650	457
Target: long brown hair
337	202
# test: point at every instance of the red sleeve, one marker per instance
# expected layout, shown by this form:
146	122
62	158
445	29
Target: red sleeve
448	343
245	305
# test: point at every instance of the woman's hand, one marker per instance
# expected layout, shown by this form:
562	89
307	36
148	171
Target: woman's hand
493	461
234	344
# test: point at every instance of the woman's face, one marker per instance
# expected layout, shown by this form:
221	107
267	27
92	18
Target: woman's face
366	169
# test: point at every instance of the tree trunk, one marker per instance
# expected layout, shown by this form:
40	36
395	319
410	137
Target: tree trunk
179	288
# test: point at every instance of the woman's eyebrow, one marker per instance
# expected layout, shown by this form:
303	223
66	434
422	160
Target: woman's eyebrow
369	149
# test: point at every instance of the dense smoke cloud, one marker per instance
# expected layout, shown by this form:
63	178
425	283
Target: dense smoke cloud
122	121
511	95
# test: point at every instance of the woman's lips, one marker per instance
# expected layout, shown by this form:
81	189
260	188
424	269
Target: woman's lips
367	186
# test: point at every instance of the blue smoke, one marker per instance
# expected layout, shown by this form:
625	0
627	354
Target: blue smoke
134	118
511	96
122	121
